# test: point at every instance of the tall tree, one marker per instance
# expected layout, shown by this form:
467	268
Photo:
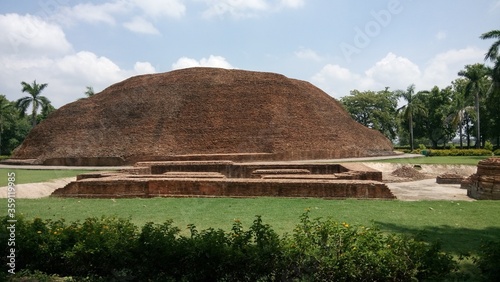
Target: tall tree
475	75
34	99
460	111
5	109
376	110
435	123
410	109
493	55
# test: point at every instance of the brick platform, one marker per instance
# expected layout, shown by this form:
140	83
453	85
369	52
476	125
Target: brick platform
228	179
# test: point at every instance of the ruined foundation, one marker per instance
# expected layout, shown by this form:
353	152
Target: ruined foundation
485	183
229	179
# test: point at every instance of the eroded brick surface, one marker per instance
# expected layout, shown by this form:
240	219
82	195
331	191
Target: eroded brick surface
228	179
201	114
485	183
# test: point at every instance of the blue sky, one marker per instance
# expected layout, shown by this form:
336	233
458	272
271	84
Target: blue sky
336	45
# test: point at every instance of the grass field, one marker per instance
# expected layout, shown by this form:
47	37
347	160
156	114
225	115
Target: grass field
35	175
460	226
458	160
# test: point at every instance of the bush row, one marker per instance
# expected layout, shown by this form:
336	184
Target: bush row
453	152
110	248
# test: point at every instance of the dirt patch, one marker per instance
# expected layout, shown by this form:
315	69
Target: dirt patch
37	190
408	172
406	188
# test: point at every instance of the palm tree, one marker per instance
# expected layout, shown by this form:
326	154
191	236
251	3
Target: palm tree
34	99
492	53
5	106
475	74
494	56
410	109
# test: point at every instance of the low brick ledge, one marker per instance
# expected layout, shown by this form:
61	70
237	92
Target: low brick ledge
199	187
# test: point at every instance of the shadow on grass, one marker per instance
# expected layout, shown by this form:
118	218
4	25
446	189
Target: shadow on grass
455	240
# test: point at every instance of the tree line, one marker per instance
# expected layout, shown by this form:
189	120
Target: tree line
468	109
18	117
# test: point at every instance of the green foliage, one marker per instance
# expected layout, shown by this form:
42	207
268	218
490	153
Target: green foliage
108	248
331	251
488	260
497	152
460	152
488	146
373	109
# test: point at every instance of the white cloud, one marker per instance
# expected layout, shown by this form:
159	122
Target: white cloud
88	66
338	81
397	72
28	35
247	8
443	68
93	13
212	61
234	8
394	71
135	12
155	8
292	3
144	68
307	54
33	49
140	25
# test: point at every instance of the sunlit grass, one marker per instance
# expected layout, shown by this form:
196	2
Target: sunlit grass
460	226
35	175
458	160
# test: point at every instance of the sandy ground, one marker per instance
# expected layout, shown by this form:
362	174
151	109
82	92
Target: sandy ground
405	189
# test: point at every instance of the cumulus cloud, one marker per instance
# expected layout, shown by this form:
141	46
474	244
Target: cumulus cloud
212	61
34	49
137	13
140	25
292	3
144	68
92	13
394	71
168	8
443	67
339	81
397	72
247	8
25	35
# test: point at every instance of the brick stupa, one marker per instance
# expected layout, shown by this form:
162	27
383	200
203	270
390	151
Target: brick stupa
201	114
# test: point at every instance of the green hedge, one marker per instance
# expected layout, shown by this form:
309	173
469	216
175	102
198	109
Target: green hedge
109	248
454	152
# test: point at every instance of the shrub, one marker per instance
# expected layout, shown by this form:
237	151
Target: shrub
460	152
488	146
497	152
332	251
488	259
114	249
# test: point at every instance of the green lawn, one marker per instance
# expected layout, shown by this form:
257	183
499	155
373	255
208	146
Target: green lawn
35	175
458	160
461	226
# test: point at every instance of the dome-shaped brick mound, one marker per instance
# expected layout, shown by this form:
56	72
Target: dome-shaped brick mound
201	113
